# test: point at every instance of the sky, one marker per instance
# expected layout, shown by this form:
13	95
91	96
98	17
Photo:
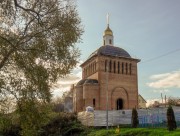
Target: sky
147	29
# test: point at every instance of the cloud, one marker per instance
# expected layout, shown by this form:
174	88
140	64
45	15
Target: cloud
160	76
161	91
166	80
64	84
151	101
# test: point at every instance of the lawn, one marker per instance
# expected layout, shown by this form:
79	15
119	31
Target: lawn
135	132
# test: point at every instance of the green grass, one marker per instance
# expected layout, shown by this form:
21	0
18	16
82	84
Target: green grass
135	132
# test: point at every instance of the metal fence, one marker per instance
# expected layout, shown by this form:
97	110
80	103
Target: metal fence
155	117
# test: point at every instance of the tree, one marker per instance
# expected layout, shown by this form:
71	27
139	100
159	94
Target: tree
171	119
58	103
37	46
65	124
174	101
134	118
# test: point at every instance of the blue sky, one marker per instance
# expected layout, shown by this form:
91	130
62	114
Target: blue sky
147	30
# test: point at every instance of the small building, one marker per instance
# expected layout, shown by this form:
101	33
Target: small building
109	71
142	102
68	104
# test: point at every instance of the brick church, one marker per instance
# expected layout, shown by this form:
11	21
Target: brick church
109	77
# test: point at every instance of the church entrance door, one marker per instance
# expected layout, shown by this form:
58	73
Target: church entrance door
119	104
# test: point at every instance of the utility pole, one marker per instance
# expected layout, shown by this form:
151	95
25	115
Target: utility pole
165	100
107	72
107	99
162	98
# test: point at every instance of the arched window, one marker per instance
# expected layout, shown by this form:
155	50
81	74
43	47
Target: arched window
110	66
105	65
84	71
119	104
126	68
110	41
130	65
118	67
104	42
92	68
114	66
89	70
94	102
95	66
122	68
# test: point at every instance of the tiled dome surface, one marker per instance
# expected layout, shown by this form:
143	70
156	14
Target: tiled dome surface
111	51
87	81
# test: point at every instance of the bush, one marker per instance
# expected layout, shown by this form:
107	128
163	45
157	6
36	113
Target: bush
134	119
7	125
65	124
12	130
171	122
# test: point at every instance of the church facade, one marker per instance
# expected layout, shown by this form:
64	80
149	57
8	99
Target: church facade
109	79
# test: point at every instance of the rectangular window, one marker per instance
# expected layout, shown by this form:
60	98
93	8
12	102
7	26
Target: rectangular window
94	102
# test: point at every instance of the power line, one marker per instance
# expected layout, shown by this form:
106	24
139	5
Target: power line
163	55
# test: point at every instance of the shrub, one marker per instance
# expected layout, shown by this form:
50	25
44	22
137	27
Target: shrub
171	122
134	118
65	124
12	130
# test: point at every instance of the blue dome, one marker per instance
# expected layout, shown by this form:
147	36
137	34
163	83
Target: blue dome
81	82
91	81
87	81
111	51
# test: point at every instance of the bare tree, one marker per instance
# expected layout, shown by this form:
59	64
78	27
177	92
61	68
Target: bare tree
174	101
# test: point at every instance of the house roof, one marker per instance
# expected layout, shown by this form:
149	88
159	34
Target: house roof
142	98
